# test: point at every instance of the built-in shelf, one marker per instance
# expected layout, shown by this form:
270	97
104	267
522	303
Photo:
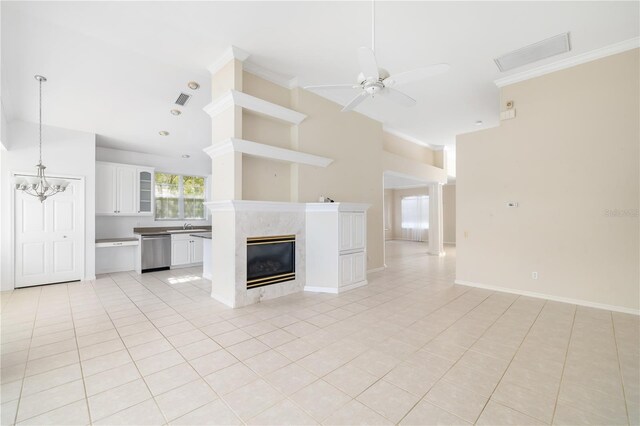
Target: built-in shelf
257	105
266	151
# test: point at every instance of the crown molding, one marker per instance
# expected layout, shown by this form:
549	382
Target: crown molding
612	49
282	80
257	105
411	139
230	53
266	151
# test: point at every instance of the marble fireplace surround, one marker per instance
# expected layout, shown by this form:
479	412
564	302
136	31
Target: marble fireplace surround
234	221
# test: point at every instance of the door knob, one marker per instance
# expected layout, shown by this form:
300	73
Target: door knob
64	236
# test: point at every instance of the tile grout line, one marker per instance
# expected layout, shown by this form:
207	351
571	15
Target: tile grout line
564	364
456	362
179	353
511	361
624	394
24	372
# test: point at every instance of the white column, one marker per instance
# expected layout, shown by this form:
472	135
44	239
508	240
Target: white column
436	245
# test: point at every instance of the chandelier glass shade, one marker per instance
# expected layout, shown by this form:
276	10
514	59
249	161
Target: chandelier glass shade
39	186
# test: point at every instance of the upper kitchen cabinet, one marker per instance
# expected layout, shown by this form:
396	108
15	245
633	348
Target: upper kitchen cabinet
123	190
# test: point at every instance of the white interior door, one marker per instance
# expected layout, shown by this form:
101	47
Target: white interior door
49	237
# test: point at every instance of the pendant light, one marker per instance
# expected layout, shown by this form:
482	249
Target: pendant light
39	186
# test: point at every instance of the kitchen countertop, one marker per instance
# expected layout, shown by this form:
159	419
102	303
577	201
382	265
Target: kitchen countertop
116	240
205	235
163	230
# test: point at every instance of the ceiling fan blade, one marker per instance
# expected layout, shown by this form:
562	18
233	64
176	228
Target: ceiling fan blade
368	64
415	75
333	86
398	96
355	101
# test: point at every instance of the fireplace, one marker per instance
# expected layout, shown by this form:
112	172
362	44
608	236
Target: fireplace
270	260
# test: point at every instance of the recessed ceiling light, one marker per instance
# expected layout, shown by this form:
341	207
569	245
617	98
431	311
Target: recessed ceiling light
186	156
175	112
478	123
163	133
193	85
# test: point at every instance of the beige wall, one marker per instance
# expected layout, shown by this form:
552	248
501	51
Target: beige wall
569	158
449	213
402	147
354	142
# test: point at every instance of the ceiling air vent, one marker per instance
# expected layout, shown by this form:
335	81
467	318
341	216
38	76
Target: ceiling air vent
183	99
534	52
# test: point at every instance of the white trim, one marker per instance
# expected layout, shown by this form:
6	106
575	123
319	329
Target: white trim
207	276
612	49
335	290
411	139
380	269
342	207
257	105
93	278
332	290
266	151
352	286
572	301
282	80
229	54
247	205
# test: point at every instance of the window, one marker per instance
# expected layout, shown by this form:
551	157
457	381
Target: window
179	197
415	217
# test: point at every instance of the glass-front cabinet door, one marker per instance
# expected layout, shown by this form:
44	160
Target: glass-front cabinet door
145	191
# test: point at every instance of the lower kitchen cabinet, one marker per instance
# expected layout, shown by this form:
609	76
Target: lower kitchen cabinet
185	250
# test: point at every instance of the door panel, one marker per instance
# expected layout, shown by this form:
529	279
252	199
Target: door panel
357	230
197	250
180	252
105	189
49	237
63	220
63	256
359	267
33	258
345	231
33	215
346	269
126	191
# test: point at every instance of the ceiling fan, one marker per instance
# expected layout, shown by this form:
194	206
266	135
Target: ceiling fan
374	80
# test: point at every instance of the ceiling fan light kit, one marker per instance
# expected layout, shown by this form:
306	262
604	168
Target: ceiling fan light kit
373	80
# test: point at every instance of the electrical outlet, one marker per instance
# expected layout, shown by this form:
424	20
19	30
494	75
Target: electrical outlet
534	275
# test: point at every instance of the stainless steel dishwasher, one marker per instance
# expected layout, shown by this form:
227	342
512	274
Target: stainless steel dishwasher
156	252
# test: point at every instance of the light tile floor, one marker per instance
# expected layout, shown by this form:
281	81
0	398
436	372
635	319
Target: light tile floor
409	348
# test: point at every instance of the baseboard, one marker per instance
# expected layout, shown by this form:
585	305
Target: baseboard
579	302
207	277
335	290
382	268
452	243
91	278
352	286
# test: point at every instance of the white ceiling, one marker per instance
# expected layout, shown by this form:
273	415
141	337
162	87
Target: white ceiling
115	68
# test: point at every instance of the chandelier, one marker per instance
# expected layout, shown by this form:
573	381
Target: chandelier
39	186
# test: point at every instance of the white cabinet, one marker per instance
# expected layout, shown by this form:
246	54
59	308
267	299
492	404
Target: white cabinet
336	246
185	250
145	190
123	190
